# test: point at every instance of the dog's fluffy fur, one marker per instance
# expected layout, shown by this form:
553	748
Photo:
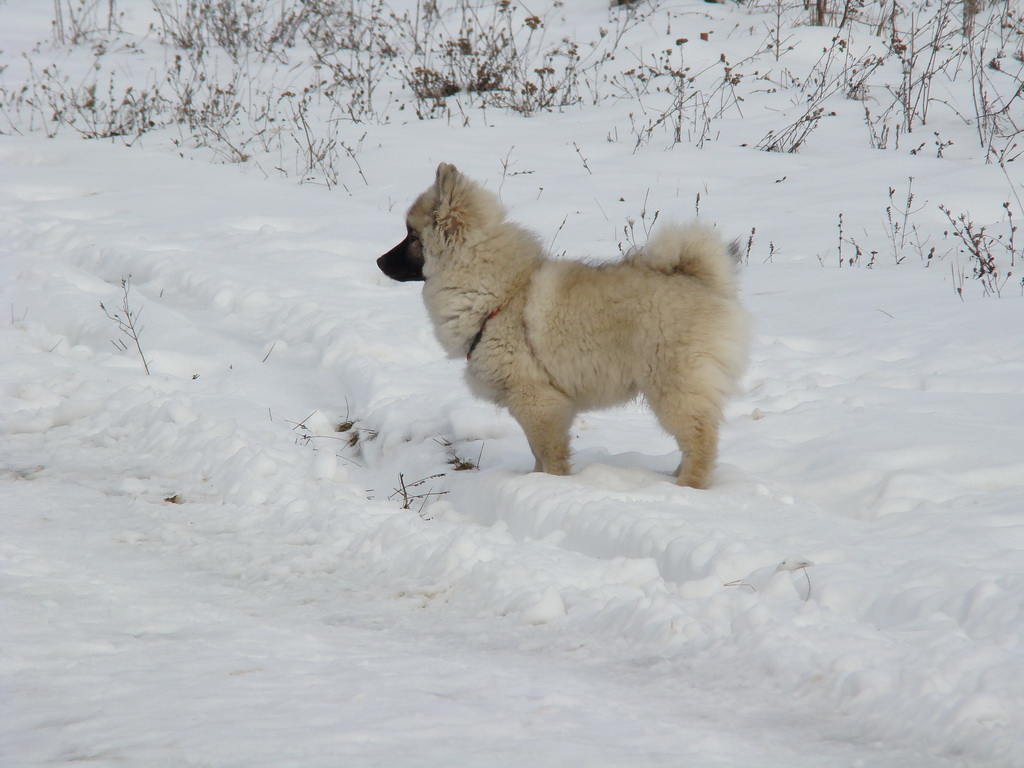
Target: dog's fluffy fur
548	338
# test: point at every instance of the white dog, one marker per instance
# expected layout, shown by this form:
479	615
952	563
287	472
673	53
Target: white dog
548	339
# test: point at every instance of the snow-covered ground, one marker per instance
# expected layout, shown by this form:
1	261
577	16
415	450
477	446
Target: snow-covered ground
198	569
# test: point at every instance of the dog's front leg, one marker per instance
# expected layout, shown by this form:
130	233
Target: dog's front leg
546	418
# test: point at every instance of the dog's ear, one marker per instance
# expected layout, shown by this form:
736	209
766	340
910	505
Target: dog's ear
447	175
451	211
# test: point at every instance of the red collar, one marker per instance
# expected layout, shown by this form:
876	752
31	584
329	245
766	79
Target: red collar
480	333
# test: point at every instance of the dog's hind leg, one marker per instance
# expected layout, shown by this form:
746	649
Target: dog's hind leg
694	424
699	454
546	418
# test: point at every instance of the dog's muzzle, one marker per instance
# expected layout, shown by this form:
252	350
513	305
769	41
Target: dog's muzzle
401	263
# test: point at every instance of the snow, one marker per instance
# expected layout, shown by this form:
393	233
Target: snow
198	569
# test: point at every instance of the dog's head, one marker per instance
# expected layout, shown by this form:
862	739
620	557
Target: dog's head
437	222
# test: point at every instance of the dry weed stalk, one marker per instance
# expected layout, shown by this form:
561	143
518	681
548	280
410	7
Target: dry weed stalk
127	321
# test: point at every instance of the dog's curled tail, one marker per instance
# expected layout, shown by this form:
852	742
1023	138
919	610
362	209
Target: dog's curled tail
692	249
